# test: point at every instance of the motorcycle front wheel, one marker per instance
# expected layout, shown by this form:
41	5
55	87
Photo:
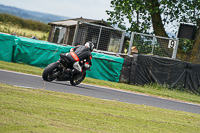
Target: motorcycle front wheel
51	72
77	79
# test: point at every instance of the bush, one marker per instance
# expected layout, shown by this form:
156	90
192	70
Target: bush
24	23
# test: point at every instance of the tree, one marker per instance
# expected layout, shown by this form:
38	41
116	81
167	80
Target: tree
142	15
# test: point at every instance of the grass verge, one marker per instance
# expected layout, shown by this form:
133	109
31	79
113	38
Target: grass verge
154	90
23	32
37	110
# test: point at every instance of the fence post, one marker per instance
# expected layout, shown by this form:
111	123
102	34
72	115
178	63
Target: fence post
153	45
122	42
175	49
131	43
176	46
50	37
76	33
99	38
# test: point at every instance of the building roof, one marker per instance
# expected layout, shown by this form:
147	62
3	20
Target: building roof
72	22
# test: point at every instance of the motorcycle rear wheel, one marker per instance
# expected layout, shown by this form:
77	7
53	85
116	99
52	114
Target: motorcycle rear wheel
77	79
50	72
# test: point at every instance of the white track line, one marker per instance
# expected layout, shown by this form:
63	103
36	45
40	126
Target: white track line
25	87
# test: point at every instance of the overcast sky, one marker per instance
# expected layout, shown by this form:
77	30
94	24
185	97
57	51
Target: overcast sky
91	9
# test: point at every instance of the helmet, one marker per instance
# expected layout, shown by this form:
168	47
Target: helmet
90	45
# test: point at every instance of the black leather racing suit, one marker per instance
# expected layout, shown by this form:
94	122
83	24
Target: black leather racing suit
80	53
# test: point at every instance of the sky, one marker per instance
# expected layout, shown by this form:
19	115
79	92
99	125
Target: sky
91	9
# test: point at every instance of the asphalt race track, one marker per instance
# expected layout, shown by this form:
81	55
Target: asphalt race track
34	82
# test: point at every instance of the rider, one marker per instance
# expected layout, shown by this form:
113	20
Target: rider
80	53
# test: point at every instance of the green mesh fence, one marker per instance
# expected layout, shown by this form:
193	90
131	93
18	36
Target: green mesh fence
41	53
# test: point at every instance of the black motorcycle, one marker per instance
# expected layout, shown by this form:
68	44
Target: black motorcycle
62	70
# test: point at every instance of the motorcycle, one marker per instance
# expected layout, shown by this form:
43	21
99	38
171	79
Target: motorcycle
62	70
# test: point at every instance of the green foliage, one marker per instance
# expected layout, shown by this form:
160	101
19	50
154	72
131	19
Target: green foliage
128	9
139	13
143	16
22	23
185	44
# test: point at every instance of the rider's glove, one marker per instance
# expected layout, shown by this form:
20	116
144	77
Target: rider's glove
72	49
87	66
